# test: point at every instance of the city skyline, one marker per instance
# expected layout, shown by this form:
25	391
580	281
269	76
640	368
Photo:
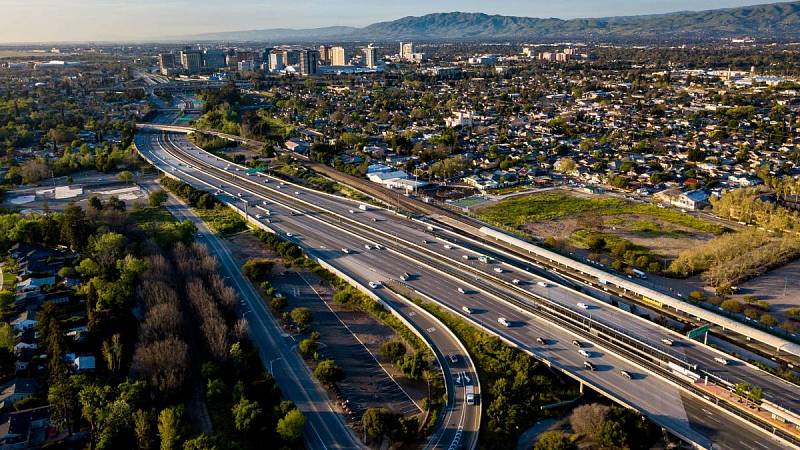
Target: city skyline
115	20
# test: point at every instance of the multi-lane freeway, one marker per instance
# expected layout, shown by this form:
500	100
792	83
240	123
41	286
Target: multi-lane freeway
534	306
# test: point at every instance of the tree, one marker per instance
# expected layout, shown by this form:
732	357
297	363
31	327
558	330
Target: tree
143	429
732	306
6	302
169	425
290	427
393	350
376	423
566	165
64	406
554	440
588	419
768	320
106	249
246	414
328	373
258	269
125	176
95	203
301	316
307	347
202	442
157	198
612	435
74	228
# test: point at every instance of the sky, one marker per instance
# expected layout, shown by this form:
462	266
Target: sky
111	20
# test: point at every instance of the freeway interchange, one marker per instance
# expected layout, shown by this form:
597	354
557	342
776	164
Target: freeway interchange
541	314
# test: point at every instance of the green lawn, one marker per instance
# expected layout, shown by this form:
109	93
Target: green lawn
515	212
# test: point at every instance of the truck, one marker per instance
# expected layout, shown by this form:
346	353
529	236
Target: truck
470	397
639	274
362	207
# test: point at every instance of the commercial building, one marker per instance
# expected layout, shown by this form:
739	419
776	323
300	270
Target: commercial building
291	57
370	56
325	55
407	51
308	62
213	59
338	56
166	62
276	62
191	60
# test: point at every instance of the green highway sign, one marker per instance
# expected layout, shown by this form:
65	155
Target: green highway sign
698	332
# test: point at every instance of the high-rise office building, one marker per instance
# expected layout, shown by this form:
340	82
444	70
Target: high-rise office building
338	56
276	61
308	62
370	56
407	51
166	61
325	55
191	60
291	57
213	59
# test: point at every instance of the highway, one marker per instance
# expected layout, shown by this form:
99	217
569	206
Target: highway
440	277
325	428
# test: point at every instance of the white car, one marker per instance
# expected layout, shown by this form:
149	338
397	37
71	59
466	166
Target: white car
258	216
378	247
448	246
367	246
296	192
466	309
583	305
462	291
374	284
584	353
351	211
498	270
504	322
346	250
289	235
515	281
543	284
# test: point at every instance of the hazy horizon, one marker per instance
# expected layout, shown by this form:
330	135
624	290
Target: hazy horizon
42	21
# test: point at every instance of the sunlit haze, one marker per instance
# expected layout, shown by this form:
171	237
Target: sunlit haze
81	20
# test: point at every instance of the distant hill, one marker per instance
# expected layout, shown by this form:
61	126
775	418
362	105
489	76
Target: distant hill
778	20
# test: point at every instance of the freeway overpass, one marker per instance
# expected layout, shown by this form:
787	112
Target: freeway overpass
535	311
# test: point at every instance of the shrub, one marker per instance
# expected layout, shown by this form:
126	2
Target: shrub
768	320
393	350
328	373
301	316
732	306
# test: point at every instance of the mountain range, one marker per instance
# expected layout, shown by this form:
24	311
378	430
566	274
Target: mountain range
775	21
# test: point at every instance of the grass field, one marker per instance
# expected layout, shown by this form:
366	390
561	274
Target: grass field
515	213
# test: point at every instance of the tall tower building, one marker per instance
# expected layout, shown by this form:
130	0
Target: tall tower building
407	51
166	61
191	60
276	62
370	56
338	56
213	59
308	62
325	55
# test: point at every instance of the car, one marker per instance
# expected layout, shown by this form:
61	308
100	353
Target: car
424	241
266	181
583	305
296	192
453	358
374	219
378	247
541	341
405	276
367	246
588	365
543	284
465	257
504	322
667	341
221	186
461	291
448	246
498	270
584	353
626	374
279	186
289	235
239	194
351	211
466	309
374	284
577	343
515	281
258	216
721	360
346	250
